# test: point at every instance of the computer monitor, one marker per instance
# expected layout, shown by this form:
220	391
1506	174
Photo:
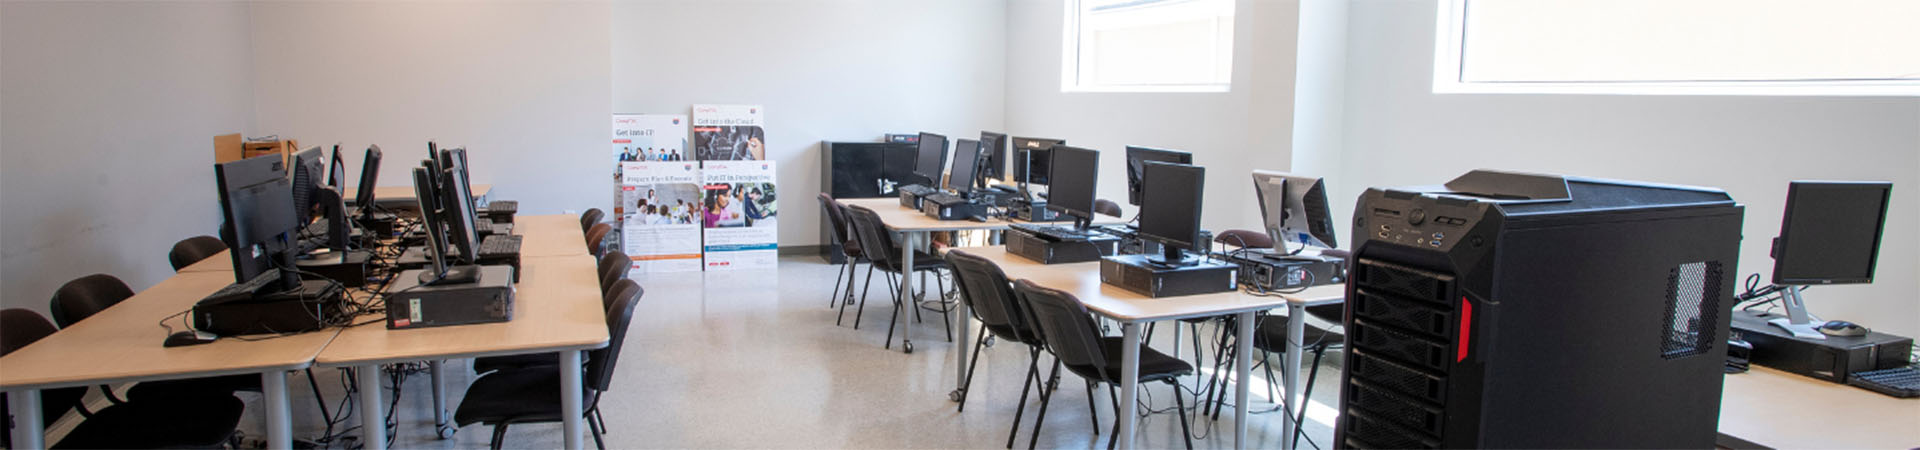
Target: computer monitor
337	174
1031	159
1830	234
459	215
931	158
257	202
432	226
1136	155
308	171
994	146
1074	173
966	166
458	157
1170	209
1294	209
369	172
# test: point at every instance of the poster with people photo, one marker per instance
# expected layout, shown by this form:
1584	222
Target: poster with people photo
740	213
729	132
661	231
642	138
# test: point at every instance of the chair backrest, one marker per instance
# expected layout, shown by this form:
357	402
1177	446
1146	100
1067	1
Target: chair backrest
19	327
600	362
592	216
85	296
985	288
618	291
835	218
1244	238
192	250
1107	207
874	242
613	267
597	237
1065	325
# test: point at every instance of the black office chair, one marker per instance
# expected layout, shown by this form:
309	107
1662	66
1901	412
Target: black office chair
85	296
1070	334
849	247
1247	239
880	249
985	289
188	420
192	250
527	395
1106	207
485	364
613	267
597	239
592	216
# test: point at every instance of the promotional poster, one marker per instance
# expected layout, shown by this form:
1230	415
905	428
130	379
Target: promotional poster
661	231
729	132
740	214
645	137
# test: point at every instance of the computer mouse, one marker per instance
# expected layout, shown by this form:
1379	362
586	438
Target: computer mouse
186	338
1843	328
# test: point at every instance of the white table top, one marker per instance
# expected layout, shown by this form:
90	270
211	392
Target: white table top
1782	410
1083	281
556	306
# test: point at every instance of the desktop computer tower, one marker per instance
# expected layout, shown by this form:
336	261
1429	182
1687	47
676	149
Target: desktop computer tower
1049	251
1510	310
489	299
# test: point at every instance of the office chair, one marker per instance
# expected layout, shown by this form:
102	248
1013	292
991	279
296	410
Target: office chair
985	289
849	247
1271	337
597	238
878	246
1247	239
85	296
1106	207
1070	334
613	267
484	364
527	395
186	420
192	250
592	216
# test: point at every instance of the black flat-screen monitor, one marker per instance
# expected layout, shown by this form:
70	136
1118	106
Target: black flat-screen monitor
369	172
337	173
1031	159
1074	172
1294	209
994	146
459	214
1137	155
431	223
457	161
1831	232
966	166
931	159
257	202
1170	209
308	172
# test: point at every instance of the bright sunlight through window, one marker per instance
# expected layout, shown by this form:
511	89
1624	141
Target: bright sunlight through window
1148	46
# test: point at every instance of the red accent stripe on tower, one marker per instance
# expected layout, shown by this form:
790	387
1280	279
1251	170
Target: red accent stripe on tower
1466	329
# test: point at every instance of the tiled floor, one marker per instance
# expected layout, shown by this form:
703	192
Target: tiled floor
754	360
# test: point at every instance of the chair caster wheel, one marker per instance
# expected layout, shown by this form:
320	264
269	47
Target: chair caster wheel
955	395
446	431
989	342
908	346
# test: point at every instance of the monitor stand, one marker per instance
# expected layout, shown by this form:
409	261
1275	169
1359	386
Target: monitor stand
1797	321
1170	257
454	274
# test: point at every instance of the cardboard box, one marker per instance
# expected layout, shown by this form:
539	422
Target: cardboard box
230	147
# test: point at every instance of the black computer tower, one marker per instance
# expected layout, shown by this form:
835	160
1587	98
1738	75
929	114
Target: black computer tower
1508	310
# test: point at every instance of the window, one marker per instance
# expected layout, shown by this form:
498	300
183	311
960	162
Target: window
1738	47
1148	45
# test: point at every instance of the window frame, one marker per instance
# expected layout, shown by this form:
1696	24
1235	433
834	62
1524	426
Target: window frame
1070	62
1450	43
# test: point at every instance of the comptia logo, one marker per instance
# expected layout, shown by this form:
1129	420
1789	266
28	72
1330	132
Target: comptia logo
688	168
753	110
629	121
763	167
676	121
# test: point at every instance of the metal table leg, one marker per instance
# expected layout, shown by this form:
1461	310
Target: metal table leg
910	242
1129	382
571	411
1290	372
373	424
960	357
1243	371
273	384
437	370
29	429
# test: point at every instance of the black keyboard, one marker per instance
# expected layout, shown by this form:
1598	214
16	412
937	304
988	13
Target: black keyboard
916	190
503	207
1049	232
499	245
1902	382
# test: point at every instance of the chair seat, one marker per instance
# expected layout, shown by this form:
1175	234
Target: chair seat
528	394
1154	365
169	389
486	364
1272	335
921	261
851	248
203	422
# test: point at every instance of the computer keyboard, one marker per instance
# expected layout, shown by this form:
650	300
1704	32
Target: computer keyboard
503	207
916	190
499	245
1902	382
1049	232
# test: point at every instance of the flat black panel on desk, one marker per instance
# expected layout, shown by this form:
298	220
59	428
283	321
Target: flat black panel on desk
851	170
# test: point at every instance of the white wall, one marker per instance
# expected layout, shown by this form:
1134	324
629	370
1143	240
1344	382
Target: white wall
107	118
1399	133
522	85
1231	133
841	70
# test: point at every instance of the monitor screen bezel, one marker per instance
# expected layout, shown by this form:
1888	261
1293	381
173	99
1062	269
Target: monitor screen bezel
1784	248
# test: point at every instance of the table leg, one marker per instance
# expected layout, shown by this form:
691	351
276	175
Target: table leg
1129	382
1290	372
373	424
29	429
571	412
273	384
436	369
1176	338
908	303
1243	371
960	357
